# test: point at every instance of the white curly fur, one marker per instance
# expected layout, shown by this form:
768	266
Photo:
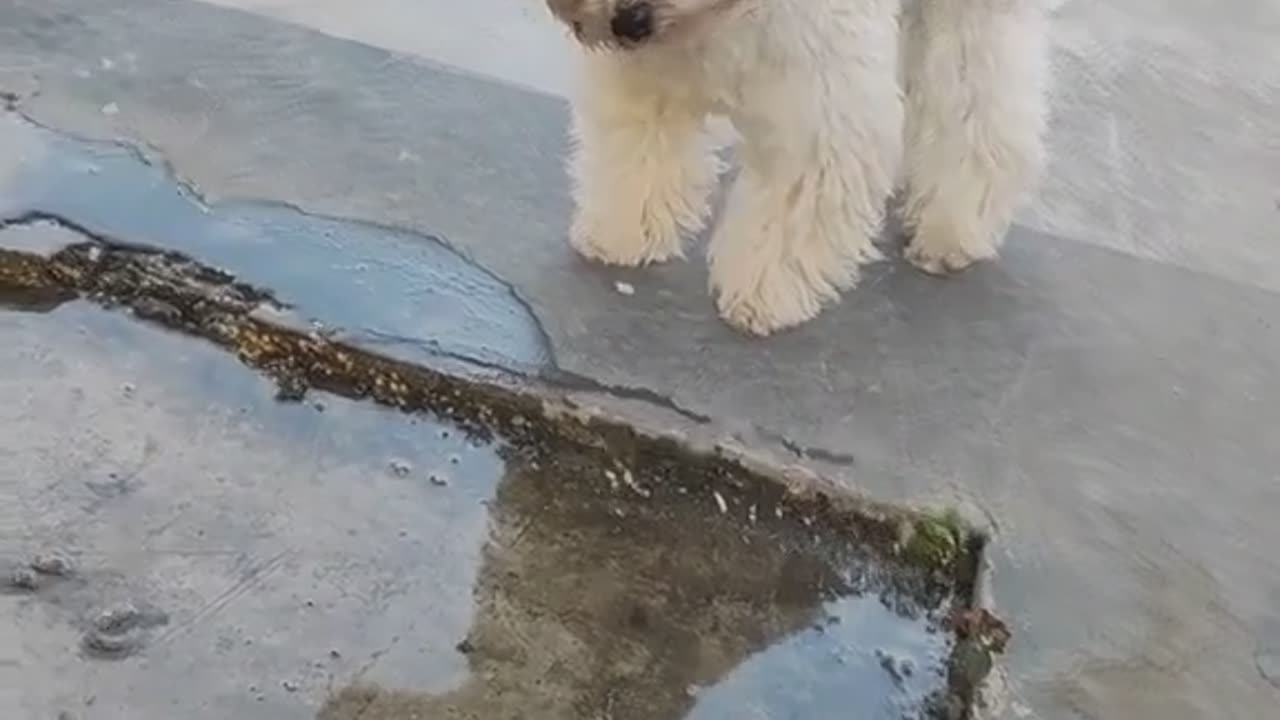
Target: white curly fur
836	101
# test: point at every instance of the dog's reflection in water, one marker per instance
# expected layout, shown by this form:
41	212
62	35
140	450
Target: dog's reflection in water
595	602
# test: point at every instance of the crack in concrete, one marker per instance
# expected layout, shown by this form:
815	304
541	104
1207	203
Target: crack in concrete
567	380
256	295
555	376
806	452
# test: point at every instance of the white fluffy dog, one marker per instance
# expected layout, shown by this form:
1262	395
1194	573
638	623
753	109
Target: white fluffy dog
837	102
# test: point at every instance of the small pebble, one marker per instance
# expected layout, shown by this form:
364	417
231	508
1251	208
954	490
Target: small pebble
52	564
625	288
117	619
400	468
897	669
110	109
24	579
630	481
438	480
289	686
110	643
335	654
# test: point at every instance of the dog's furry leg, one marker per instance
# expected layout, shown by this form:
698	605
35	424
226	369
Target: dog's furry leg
642	167
976	77
822	143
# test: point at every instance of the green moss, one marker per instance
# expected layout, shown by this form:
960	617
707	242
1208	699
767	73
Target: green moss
935	540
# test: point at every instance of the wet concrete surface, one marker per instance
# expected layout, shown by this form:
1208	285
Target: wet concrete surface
236	555
1104	395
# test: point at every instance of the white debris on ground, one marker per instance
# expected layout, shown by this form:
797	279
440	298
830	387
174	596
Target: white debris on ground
724	507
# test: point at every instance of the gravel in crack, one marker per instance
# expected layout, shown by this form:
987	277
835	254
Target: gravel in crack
121	630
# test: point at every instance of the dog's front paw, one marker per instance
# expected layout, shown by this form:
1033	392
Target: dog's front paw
770	273
769	299
943	253
626	243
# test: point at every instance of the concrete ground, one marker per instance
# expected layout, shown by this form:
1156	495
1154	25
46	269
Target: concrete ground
1105	394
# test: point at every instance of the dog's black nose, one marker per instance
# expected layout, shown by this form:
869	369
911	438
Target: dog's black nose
633	22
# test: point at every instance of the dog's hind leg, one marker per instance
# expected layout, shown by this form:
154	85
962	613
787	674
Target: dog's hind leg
822	142
975	75
642	166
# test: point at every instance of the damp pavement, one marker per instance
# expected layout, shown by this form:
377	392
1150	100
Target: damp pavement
1104	399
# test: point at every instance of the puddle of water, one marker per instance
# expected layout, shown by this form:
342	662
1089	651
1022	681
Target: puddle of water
594	601
304	555
409	295
835	666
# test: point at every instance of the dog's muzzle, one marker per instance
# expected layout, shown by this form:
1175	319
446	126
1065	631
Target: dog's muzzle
633	22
